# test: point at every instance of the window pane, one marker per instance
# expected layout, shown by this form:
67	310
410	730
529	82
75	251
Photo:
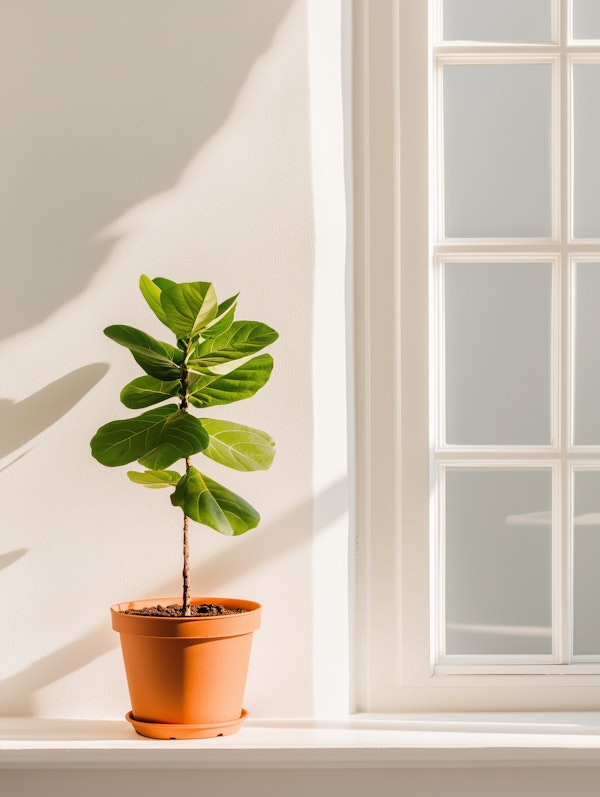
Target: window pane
497	353
497	20
586	132
498	561
586	564
497	148
586	415
586	19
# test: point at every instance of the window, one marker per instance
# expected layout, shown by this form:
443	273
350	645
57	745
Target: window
477	274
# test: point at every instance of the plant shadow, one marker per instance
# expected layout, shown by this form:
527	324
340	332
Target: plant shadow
108	102
21	421
7	559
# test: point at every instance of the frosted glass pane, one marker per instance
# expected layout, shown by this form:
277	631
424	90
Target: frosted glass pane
586	414
497	351
586	19
497	20
497	150
586	131
586	564
498	561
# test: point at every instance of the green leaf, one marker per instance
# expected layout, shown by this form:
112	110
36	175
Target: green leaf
241	383
189	307
223	320
146	391
238	447
156	358
241	339
155	478
156	438
163	283
213	505
151	293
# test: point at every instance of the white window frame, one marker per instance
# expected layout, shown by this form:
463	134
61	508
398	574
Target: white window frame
394	573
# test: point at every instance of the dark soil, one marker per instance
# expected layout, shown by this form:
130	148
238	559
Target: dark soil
176	610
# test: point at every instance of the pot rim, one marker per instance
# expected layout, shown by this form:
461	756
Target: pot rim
190	627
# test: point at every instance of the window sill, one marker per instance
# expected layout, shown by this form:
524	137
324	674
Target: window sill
360	742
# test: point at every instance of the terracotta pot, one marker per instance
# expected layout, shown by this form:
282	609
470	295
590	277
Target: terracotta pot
186	675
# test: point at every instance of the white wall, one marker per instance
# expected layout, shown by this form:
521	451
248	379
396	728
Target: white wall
174	138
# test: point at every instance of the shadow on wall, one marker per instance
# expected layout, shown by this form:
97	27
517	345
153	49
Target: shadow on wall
93	130
17	692
22	421
9	557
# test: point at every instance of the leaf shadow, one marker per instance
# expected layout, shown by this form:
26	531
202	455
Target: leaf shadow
7	559
15	460
21	421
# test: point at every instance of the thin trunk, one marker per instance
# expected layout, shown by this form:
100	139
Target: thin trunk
183	405
187	607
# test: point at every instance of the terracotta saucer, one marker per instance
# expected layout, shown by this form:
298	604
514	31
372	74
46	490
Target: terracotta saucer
157	730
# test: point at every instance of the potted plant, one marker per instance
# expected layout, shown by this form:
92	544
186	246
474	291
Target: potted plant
186	659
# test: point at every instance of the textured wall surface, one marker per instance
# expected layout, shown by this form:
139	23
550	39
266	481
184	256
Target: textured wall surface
172	139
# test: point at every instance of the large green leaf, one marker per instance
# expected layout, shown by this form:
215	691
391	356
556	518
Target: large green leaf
156	438
155	478
241	383
163	283
158	359
239	447
189	307
223	320
213	505
146	391
240	340
151	293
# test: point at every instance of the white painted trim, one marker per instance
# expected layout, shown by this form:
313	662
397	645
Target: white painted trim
361	307
475	57
361	316
330	666
567	19
377	294
515	666
557	24
566	739
395	638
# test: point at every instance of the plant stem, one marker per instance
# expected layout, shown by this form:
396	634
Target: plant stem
186	605
183	405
